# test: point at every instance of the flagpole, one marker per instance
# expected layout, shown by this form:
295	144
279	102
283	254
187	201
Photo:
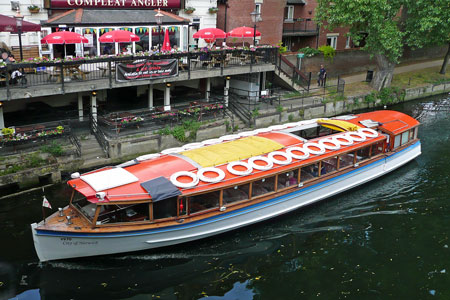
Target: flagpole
43	213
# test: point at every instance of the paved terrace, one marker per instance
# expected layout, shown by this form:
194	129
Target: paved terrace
81	75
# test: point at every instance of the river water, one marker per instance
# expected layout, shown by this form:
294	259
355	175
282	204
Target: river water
388	239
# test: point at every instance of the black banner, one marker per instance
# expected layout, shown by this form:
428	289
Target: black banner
147	69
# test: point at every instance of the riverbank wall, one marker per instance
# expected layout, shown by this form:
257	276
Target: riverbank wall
39	168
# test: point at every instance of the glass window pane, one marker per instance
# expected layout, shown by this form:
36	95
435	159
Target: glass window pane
363	154
405	136
377	148
309	172
346	160
287	179
397	141
236	193
123	213
204	202
329	165
263	186
166	208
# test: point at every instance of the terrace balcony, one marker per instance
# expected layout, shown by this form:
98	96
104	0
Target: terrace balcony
300	27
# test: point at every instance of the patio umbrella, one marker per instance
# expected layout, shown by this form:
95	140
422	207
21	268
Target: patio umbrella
118	36
8	24
210	34
166	43
64	37
243	32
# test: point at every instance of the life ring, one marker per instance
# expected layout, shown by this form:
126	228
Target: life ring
338	138
229	137
316	145
300	149
268	166
248	168
287	156
262	130
246	133
201	175
184	185
368	132
148	156
356	136
211	142
173	150
193	146
326	144
277	127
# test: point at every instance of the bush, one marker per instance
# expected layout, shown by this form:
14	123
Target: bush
54	149
281	49
309	52
328	52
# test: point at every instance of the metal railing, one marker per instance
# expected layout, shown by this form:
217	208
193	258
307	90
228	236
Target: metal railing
76	142
283	65
300	26
99	135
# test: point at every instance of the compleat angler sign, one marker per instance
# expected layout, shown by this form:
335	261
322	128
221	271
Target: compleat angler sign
115	3
147	69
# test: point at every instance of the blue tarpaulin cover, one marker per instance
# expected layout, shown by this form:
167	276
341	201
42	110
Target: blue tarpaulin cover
160	188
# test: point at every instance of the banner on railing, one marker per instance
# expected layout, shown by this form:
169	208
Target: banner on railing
147	69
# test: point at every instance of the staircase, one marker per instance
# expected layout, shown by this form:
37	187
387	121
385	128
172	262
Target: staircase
91	152
291	75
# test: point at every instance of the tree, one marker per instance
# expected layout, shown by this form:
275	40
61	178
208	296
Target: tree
433	27
385	25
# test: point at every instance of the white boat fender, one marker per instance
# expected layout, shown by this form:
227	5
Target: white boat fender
201	175
173	150
184	185
298	149
308	146
368	132
286	161
326	144
268	166
343	139
356	136
248	169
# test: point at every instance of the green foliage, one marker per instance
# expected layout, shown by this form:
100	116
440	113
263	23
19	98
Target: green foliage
179	132
7	131
281	49
371	98
255	112
54	149
34	160
328	52
309	52
291	117
165	131
227	126
280	109
236	128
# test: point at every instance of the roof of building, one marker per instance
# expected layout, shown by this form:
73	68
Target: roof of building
111	17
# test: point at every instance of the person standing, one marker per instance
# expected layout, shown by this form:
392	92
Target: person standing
322	76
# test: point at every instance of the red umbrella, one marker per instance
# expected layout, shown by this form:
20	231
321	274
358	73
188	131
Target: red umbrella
210	34
64	37
166	43
119	36
8	24
243	32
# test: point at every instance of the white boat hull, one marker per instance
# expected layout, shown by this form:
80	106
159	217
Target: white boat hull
59	245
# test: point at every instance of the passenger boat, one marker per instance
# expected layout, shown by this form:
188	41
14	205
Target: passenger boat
207	188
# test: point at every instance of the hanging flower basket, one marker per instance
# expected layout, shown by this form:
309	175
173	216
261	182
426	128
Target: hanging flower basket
213	10
189	10
34	9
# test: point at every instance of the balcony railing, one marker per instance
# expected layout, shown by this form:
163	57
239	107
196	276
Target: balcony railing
300	26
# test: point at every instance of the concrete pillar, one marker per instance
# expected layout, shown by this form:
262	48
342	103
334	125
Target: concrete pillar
167	97
208	88
263	81
94	105
226	89
150	96
2	121
80	107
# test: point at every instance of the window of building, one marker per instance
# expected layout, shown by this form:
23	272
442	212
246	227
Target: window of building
287	179
346	160
236	193
332	41
263	186
258	8
289	13
348	43
204	202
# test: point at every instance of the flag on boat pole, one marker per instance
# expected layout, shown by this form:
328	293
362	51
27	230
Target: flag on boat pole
46	204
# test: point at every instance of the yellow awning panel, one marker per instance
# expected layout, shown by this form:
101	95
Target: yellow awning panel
231	151
338	125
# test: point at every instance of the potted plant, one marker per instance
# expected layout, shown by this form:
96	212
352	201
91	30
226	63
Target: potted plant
34	9
189	10
213	10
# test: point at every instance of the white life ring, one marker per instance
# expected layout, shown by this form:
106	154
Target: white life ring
248	168
192	146
148	156
173	150
368	132
316	145
300	149
184	185
262	130
268	166
201	175
211	142
246	133
340	137
229	137
287	156
326	144
277	127
356	136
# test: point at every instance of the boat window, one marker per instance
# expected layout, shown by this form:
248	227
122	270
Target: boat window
363	154
405	136
346	160
415	132
204	202
377	148
84	206
397	141
119	213
263	186
166	208
309	172
287	179
236	193
329	165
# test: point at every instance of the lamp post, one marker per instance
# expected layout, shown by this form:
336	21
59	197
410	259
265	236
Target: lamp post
255	18
158	18
19	19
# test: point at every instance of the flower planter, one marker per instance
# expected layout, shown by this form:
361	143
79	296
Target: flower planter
34	10
188	12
